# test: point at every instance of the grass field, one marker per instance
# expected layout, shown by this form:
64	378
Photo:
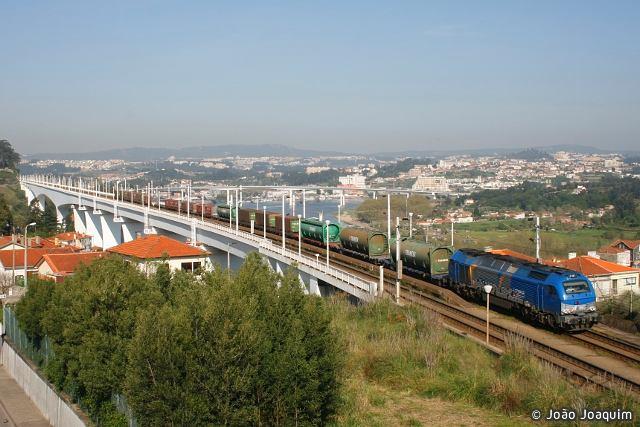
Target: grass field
554	244
404	368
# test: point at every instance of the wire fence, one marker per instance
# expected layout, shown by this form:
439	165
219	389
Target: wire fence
40	353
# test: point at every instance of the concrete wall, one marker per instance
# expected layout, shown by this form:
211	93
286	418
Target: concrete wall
55	409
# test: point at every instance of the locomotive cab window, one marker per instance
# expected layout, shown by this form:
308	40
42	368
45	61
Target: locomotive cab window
576	287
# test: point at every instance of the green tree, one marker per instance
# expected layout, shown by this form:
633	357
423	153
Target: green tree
49	217
90	321
8	157
248	349
32	307
6	217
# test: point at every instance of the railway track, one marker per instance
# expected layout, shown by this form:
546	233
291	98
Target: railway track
616	347
454	312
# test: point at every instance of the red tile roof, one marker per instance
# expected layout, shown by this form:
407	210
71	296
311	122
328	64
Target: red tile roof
509	252
71	235
590	266
5	240
612	250
66	263
33	256
631	244
519	255
34	242
155	247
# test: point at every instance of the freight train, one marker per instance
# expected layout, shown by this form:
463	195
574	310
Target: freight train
551	296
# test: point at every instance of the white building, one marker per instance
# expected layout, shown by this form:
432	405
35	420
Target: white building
434	184
609	279
352	181
151	250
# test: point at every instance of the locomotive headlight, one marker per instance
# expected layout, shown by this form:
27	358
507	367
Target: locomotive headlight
577	308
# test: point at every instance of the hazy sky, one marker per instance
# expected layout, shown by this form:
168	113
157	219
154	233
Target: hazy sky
344	75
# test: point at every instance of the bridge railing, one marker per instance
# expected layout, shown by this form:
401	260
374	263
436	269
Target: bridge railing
357	284
265	246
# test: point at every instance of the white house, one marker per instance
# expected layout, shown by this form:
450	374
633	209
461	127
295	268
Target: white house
609	279
151	250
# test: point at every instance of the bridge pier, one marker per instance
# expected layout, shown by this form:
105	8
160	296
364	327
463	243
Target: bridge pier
130	230
111	231
94	227
79	221
42	202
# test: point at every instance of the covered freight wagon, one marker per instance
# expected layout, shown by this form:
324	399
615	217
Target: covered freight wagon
423	258
316	231
246	215
290	224
368	243
226	212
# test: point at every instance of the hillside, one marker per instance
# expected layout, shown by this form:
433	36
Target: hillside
14	198
141	154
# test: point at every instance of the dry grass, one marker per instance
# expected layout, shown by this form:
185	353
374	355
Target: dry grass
404	368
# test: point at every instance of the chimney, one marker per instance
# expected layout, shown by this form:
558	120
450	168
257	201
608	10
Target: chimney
593	254
38	240
572	255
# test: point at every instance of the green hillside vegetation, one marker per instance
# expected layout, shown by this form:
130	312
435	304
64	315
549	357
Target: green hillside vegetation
374	211
519	236
13	203
394	169
622	193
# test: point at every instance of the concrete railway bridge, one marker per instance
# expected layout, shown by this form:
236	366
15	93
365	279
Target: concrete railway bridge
110	222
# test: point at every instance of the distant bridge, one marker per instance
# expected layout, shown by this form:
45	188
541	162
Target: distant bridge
111	221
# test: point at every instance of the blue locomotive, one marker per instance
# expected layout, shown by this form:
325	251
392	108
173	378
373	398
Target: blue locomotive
552	296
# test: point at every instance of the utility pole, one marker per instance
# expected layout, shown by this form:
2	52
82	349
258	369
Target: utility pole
451	231
230	212
327	222
389	218
537	238
398	261
410	225
299	235
304	203
26	246
237	216
283	234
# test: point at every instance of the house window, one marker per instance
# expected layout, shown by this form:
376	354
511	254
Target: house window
614	287
190	266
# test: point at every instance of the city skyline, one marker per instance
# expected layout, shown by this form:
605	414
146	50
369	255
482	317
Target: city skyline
349	77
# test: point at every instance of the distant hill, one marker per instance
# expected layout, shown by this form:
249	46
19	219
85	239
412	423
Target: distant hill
140	154
582	149
530	154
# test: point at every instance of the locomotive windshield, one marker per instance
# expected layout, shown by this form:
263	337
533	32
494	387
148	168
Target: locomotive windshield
576	287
